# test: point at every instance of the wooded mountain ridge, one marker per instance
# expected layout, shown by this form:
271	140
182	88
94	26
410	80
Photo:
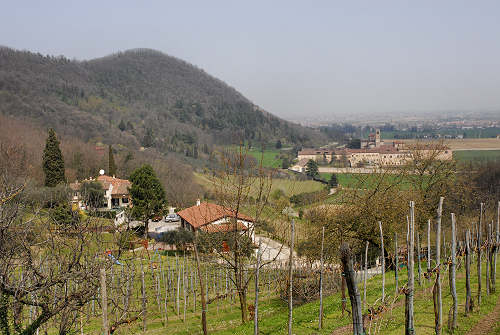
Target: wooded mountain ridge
136	98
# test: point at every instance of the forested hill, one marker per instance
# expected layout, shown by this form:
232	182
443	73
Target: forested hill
137	98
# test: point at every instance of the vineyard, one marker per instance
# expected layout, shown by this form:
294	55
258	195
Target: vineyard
154	291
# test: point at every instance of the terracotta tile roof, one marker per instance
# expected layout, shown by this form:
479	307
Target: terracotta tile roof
206	213
302	162
120	186
381	150
314	151
223	228
75	186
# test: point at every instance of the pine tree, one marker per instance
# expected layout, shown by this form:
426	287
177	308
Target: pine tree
53	162
333	180
148	139
111	162
122	126
148	195
312	168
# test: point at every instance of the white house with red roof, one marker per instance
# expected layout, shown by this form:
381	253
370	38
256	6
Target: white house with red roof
116	192
213	218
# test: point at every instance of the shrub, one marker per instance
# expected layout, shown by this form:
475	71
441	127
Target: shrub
308	198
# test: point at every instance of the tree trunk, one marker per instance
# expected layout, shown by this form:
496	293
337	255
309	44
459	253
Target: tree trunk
383	260
354	296
468	294
453	324
343	287
479	254
4	312
290	276
143	291
438	306
429	248
320	321
409	324
243	305
366	273
104	298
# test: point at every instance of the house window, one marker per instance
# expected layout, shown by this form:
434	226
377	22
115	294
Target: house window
125	200
115	202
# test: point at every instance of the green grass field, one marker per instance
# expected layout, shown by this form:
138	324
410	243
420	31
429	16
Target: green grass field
288	186
476	155
360	180
270	157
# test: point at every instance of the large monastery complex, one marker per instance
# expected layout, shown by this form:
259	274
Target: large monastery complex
373	152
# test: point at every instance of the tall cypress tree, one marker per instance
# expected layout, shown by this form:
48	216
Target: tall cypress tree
53	162
111	162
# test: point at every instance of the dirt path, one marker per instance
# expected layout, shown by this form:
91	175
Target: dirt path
487	323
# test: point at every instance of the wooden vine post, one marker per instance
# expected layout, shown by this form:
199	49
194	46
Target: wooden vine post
290	277
488	259
452	321
418	260
354	296
202	290
479	230
256	303
495	252
409	324
383	260
468	294
396	264
436	291
320	321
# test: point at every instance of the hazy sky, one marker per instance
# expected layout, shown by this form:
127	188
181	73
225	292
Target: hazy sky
307	58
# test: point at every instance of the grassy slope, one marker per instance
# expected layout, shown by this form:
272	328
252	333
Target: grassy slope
357	180
270	157
476	155
306	318
290	187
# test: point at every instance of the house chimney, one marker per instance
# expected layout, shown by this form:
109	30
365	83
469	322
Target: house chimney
198	202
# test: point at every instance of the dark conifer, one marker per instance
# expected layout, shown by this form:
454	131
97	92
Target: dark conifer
53	162
111	162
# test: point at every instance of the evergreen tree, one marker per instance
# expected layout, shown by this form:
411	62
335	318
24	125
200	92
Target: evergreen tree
285	163
53	162
78	165
195	150
93	194
312	168
122	126
333	181
148	195
111	162
148	139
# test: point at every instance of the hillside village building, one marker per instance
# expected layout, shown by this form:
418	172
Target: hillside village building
116	192
213	218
